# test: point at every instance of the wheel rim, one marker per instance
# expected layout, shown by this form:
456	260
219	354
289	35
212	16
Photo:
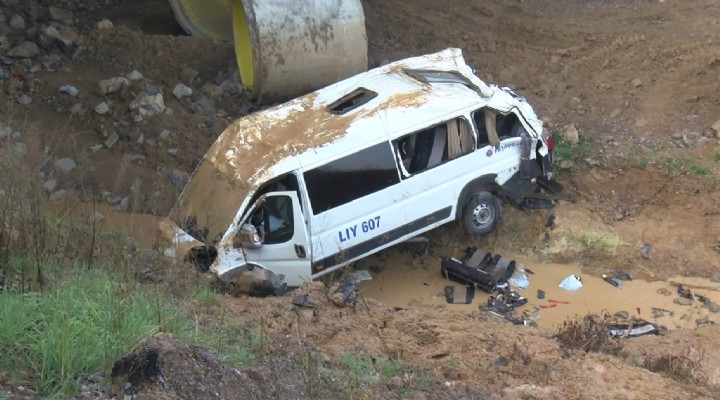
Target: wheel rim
483	215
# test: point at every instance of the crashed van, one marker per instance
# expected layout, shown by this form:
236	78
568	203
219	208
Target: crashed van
296	191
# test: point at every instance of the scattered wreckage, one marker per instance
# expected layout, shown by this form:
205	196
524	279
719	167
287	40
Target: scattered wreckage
496	275
296	191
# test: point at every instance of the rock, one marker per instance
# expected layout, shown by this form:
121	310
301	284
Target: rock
622	314
204	106
60	15
65	164
188	75
716	129
65	37
571	134
134	75
77	108
24	99
395	382
50	186
172	151
24	50
5	130
682	301
96	147
164	134
677	136
231	86
152	103
111	85
4	45
17	22
105	24
591	162
95	218
181	91
69	89
60	194
212	90
615	113
566	164
19	148
179	178
102	108
111	140
123	206
636	82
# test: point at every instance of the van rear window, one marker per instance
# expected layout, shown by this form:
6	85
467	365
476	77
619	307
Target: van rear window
351	177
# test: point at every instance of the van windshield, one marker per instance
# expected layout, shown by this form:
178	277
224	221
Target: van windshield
208	203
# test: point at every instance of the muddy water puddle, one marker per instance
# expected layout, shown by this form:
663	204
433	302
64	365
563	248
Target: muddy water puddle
407	281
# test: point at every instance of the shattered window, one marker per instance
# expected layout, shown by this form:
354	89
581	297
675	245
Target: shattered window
274	220
420	151
351	177
506	125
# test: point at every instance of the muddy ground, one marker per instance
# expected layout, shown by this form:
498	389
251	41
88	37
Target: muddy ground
638	79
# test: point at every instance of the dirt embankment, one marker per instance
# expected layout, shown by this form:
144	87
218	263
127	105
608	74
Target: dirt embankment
637	78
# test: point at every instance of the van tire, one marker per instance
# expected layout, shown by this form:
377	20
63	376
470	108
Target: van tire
481	213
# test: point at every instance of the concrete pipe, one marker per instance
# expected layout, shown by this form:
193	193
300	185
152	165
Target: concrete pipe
210	19
286	48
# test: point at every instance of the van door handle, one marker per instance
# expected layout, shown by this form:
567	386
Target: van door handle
300	251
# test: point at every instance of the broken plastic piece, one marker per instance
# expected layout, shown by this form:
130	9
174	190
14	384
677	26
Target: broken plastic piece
572	282
632	329
460	296
558	301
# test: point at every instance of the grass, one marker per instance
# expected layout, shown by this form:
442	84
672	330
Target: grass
78	328
677	367
589	333
690	166
598	242
564	150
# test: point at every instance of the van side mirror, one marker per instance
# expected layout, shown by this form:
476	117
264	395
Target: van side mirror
247	237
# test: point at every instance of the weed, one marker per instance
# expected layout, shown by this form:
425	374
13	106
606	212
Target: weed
589	333
566	151
677	367
598	242
715	157
78	328
696	168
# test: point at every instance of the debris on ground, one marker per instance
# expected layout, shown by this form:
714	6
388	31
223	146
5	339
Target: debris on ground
633	328
461	295
572	282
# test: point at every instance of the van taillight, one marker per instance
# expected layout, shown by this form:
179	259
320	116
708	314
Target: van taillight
550	142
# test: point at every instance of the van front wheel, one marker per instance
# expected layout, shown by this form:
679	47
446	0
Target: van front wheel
481	213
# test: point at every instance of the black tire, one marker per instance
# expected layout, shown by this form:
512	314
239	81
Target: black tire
481	213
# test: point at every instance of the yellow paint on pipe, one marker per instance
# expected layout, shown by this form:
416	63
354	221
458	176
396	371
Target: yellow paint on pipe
243	46
207	18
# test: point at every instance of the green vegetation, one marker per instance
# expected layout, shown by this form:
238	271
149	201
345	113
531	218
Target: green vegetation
715	157
566	151
77	328
687	165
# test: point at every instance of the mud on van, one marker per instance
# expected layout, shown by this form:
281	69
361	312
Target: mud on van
301	189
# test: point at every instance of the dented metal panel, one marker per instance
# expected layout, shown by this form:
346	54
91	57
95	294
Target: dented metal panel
298	134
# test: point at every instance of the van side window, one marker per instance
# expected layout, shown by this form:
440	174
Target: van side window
420	151
351	177
274	220
506	125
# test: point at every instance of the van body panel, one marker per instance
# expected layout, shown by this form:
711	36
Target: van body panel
342	212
